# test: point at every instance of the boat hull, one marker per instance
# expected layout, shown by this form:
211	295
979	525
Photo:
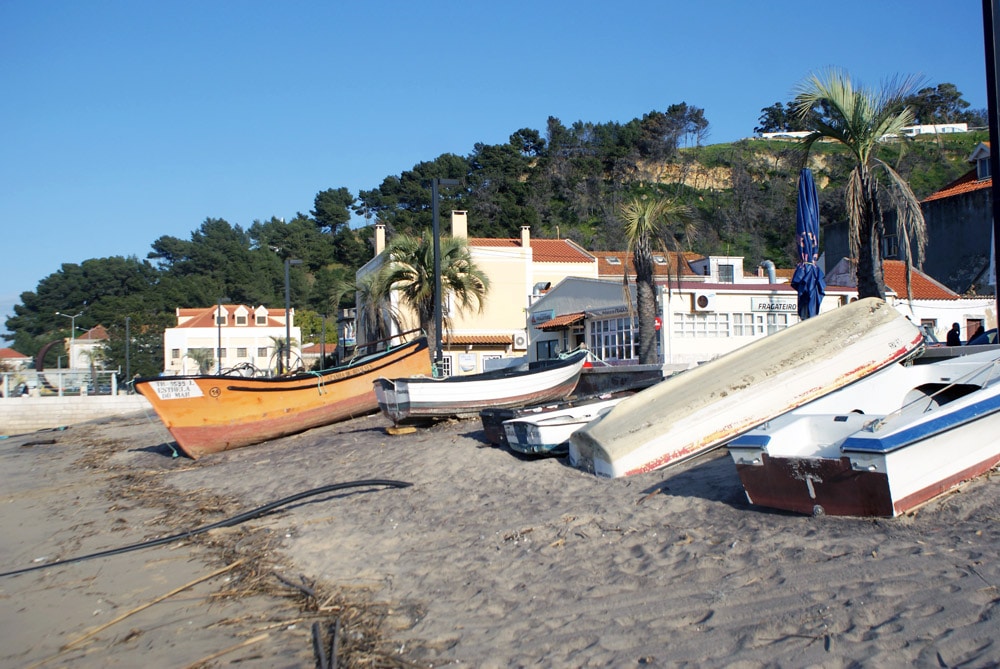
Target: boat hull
548	432
209	414
422	397
703	408
834	460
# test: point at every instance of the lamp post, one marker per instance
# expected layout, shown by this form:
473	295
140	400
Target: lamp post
435	183
128	337
322	344
72	332
218	328
288	306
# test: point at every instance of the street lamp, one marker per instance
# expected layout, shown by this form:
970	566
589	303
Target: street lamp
438	355
218	327
322	344
288	305
72	332
128	365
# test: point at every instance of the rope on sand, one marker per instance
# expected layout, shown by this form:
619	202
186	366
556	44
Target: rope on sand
229	522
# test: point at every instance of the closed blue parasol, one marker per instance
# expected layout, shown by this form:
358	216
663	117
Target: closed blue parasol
808	277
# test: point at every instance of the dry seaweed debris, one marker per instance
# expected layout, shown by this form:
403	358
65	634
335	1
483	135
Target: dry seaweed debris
350	627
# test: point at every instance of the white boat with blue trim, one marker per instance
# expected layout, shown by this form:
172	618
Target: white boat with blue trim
882	446
548	432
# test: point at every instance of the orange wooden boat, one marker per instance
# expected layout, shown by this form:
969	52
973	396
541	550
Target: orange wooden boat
211	413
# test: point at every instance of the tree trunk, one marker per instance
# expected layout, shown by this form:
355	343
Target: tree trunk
870	279
645	294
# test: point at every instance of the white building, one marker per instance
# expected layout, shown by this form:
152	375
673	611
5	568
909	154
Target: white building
86	351
710	307
232	334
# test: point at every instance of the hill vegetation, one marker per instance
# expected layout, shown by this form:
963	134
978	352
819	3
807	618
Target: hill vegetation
567	182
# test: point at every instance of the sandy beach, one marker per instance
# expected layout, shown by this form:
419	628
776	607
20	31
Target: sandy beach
488	559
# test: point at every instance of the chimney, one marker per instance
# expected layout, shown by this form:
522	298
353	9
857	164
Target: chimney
379	238
525	236
460	224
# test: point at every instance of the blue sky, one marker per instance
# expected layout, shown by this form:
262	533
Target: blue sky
122	121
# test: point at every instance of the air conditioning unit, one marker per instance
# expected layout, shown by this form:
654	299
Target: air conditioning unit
704	301
520	341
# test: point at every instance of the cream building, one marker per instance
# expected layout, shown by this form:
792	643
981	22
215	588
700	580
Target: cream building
520	271
241	334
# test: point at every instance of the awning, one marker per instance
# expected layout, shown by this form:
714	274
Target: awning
476	340
563	322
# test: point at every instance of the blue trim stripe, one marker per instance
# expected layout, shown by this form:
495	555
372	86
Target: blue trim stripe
750	441
947	420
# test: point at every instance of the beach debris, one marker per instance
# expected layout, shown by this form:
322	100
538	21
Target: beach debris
97	630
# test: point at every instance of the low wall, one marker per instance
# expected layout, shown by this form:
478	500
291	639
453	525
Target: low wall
19	415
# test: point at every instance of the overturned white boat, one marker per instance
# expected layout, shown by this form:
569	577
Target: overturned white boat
881	446
703	408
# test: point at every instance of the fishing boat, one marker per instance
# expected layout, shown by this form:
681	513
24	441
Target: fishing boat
879	447
700	409
548	432
211	413
493	419
411	398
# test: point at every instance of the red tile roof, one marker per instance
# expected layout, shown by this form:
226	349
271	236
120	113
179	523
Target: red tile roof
924	287
678	263
11	354
96	333
488	340
562	322
204	317
543	250
967	183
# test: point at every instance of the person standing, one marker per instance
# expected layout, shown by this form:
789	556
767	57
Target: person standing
954	335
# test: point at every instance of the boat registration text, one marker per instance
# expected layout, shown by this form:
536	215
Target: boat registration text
176	390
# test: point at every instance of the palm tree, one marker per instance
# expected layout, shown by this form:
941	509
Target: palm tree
409	272
280	354
649	219
203	357
376	318
862	119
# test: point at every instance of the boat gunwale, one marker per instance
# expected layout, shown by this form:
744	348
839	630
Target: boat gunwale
937	423
302	380
494	375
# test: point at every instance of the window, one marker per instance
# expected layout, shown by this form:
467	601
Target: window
241	320
776	322
983	168
220	319
742	325
241	352
615	338
262	352
444	369
890	246
175	353
261	319
547	350
703	325
726	274
222	353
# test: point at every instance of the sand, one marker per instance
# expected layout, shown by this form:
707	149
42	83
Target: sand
489	559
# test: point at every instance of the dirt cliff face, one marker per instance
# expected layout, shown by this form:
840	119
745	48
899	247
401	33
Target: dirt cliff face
691	174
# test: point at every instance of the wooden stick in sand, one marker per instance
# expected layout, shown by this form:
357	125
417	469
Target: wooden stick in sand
142	607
